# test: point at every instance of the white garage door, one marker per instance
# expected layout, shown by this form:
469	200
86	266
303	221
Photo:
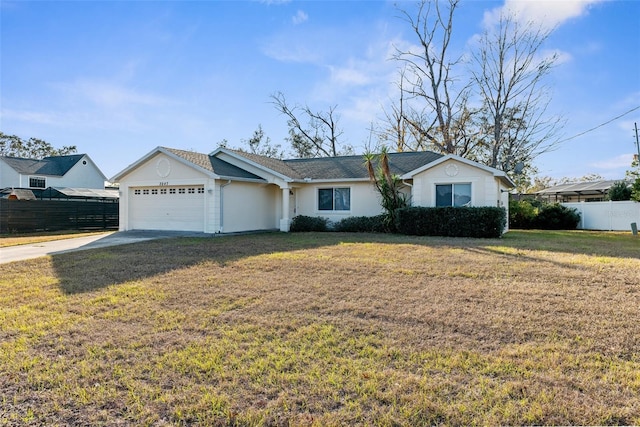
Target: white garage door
166	208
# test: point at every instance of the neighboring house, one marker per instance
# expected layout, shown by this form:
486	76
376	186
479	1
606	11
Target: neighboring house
231	191
594	191
72	171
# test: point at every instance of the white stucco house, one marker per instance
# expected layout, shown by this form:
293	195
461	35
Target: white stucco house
231	191
71	171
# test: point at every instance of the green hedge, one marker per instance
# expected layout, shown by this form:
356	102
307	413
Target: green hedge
452	221
309	223
362	224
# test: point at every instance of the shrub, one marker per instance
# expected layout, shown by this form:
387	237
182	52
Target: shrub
362	224
635	190
523	213
619	191
309	223
452	221
557	217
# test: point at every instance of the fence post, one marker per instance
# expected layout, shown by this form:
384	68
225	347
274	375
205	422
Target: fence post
634	228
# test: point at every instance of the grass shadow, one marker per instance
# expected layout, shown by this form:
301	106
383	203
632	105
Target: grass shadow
92	269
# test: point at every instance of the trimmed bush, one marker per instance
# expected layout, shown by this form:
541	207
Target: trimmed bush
557	217
452	221
362	224
309	223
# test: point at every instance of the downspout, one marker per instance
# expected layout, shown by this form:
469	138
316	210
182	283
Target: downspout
222	204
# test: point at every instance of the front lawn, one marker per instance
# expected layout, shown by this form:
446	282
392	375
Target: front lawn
326	329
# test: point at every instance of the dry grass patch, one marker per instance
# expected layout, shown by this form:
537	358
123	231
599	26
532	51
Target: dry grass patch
16	239
326	329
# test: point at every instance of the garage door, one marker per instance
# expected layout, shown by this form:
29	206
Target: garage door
166	208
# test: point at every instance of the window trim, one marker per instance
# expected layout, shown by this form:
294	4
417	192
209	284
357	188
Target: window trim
38	178
452	184
333	199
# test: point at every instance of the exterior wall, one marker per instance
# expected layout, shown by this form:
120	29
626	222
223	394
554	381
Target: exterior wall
248	206
8	176
612	216
364	200
485	188
79	176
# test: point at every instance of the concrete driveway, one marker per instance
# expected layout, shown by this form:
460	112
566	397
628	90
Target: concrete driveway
36	250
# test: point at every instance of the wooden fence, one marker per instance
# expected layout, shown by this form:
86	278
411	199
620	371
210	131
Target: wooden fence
50	215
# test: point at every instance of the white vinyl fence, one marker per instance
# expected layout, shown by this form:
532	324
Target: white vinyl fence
612	216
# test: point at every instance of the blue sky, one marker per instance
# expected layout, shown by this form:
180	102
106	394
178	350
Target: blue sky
118	78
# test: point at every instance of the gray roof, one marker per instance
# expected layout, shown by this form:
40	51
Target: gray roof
275	165
213	164
51	166
324	168
593	187
353	167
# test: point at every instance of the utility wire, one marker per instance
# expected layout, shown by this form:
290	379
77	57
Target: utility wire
600	125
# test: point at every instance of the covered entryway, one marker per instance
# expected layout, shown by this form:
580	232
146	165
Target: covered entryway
167	208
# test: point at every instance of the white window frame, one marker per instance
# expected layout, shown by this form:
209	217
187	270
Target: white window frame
452	184
38	178
333	199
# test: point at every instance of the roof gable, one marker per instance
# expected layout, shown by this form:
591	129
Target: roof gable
443	158
212	166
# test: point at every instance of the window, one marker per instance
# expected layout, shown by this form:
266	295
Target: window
154	191
200	190
137	192
146	191
163	191
172	191
192	191
180	190
453	194
35	182
334	199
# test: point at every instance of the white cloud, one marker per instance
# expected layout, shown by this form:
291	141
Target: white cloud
300	17
621	161
546	13
107	94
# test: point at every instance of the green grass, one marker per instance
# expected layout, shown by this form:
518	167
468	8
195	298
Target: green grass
326	329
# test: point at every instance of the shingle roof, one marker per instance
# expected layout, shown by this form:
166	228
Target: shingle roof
353	167
51	166
325	168
275	165
213	164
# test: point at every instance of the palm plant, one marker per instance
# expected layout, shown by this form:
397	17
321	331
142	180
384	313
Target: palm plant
388	185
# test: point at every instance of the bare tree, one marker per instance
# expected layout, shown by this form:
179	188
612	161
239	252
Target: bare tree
508	74
261	145
319	137
438	106
395	130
